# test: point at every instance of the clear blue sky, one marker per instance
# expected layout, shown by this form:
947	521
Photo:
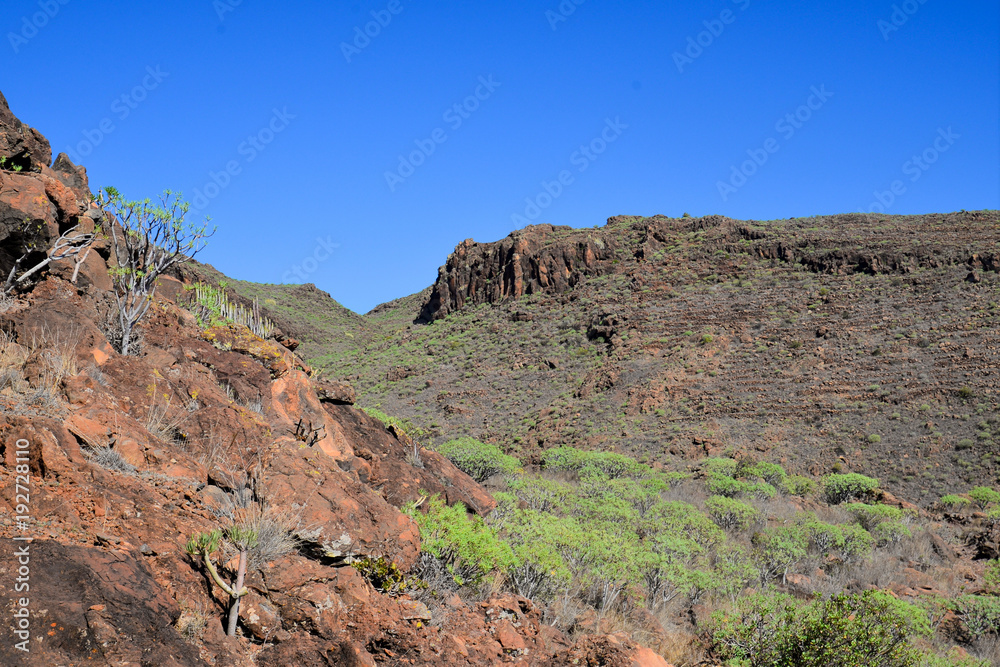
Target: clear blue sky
674	126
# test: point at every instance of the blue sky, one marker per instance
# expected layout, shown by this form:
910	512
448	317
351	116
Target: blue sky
351	167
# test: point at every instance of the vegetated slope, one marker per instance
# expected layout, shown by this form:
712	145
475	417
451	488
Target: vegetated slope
828	343
320	324
120	460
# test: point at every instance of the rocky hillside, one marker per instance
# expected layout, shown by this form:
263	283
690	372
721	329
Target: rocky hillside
117	461
851	343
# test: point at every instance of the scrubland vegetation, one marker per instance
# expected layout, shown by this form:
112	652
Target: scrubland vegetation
775	569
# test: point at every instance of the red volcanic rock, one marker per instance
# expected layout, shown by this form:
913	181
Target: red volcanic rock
96	606
531	260
22	145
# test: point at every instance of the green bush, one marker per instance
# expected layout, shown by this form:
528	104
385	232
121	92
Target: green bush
953	502
720	466
464	542
857	543
610	464
850	486
984	496
870	516
863	630
721	485
731	514
797	485
890	532
822	537
980	614
479	460
772	473
777	549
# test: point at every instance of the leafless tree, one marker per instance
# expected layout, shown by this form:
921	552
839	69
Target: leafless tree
70	245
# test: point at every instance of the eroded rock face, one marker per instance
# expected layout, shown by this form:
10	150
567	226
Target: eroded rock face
23	146
38	202
552	260
91	605
541	258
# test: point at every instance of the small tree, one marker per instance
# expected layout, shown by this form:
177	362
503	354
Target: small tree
147	239
204	545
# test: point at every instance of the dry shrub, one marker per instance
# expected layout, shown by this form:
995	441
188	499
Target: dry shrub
192	621
110	459
160	424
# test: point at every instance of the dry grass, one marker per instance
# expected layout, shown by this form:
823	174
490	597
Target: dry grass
58	351
192	621
109	459
161	425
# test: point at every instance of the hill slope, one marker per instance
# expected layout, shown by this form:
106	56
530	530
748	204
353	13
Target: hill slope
839	342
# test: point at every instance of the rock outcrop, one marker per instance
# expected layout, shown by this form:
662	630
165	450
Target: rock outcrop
542	258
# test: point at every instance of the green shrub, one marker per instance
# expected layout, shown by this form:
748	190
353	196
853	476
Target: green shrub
540	541
797	485
890	532
862	630
772	473
723	485
464	542
822	537
857	543
610	464
776	549
731	514
980	614
953	502
684	519
479	460
841	488
984	496
541	495
720	466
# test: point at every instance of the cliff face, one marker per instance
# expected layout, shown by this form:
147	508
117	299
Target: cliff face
553	260
537	259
